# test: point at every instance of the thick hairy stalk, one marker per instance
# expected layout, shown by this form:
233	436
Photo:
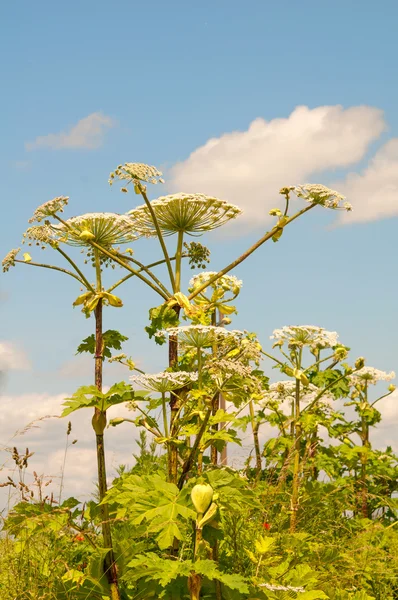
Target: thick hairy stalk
99	424
174	407
194	450
363	477
216	400
255	428
296	464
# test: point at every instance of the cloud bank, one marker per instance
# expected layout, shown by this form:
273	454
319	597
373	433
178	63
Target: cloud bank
249	167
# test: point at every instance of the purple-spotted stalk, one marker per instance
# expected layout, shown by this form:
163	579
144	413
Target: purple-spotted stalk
99	424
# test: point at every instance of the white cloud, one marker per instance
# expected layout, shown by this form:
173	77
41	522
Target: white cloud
374	192
87	133
13	358
249	167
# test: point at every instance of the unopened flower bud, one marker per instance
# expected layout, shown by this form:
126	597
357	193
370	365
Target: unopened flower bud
86	235
275	212
392	387
116	421
360	363
202	495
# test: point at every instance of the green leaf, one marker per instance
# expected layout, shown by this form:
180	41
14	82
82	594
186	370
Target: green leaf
111	339
313	595
161	317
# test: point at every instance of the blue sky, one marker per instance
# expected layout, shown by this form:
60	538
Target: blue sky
165	78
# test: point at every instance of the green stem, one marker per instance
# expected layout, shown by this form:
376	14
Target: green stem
71	262
317	363
155	264
180	240
34	264
165	423
122	263
272	358
250	251
145	269
160	238
199	357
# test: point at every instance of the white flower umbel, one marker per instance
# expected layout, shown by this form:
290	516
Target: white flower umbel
305	335
106	229
286	390
188	213
200	336
370	375
164	382
132	172
49	209
316	192
229	283
9	260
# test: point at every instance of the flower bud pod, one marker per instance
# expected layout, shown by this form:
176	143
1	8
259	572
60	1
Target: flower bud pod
99	422
201	495
209	516
86	235
360	362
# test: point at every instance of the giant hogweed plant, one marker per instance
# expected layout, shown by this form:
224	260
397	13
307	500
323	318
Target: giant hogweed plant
225	369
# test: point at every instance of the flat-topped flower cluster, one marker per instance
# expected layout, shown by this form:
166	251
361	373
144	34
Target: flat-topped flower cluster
164	382
371	376
305	335
316	192
281	391
188	213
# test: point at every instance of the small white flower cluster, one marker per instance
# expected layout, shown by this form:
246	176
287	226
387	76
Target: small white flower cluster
165	381
189	213
370	375
281	588
316	192
231	367
9	260
200	336
305	335
49	209
137	172
229	283
106	229
285	390
40	234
